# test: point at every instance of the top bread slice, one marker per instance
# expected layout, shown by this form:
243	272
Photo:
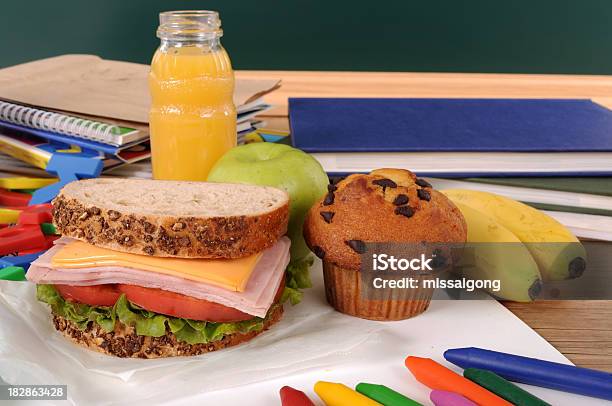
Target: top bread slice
172	218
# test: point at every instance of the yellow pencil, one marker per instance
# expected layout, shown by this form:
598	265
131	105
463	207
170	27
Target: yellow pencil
25	183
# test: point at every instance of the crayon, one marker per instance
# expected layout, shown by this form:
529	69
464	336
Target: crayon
48	229
12	273
294	397
502	388
436	376
9	216
532	371
446	398
337	394
385	396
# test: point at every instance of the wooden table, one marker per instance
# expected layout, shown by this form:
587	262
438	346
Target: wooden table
581	330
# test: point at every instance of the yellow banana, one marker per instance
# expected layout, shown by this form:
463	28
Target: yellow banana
494	253
556	250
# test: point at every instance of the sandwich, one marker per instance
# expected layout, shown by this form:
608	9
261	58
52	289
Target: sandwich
152	269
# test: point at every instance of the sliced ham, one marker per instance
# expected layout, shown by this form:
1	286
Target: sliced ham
255	300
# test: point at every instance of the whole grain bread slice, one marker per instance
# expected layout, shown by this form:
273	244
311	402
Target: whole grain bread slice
123	342
172	218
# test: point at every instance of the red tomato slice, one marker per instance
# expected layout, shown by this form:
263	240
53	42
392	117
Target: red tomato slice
97	295
158	301
177	305
187	307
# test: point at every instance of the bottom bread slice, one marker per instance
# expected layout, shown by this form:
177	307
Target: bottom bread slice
123	341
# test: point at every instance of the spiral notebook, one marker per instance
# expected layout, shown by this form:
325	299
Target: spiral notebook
71	125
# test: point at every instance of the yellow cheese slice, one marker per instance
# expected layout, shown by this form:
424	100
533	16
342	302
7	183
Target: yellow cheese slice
231	274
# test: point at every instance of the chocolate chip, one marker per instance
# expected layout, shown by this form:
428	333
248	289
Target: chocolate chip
327	216
424	194
400	200
422	183
113	214
329	199
318	251
95	211
404	211
336	179
357	245
438	261
332	188
385	183
149	250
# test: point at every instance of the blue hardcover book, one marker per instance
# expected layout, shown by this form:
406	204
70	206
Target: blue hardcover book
456	137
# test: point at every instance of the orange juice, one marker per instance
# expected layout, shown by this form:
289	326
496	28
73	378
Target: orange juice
193	118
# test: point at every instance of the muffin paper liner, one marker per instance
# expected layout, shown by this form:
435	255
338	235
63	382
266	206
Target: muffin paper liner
344	291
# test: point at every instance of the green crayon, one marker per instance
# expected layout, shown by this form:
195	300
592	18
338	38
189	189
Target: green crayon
503	388
384	395
48	229
12	273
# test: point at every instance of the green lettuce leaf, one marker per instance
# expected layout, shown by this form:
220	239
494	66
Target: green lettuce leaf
294	296
176	324
145	322
80	314
48	294
297	277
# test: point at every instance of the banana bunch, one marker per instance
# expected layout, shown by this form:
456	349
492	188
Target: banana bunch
539	248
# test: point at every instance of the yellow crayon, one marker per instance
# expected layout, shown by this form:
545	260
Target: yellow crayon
337	394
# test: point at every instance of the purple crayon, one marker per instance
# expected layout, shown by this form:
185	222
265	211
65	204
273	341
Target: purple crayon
446	398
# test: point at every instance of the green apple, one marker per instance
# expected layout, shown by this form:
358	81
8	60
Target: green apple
281	166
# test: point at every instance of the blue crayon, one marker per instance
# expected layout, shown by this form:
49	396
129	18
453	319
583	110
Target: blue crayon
532	371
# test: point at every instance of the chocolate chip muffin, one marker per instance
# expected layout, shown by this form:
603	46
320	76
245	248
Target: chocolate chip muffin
387	205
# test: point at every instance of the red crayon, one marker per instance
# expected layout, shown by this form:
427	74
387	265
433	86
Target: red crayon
436	376
294	397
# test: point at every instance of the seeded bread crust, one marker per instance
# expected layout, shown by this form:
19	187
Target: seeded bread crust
124	343
387	205
169	236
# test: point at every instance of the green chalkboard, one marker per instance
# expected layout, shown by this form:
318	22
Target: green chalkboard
538	36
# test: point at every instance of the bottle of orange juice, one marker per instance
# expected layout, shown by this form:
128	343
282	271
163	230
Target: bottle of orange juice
193	118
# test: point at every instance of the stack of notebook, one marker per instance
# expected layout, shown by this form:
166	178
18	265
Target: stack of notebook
550	153
92	107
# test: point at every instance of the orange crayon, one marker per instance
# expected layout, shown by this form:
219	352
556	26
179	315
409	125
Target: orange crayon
436	376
